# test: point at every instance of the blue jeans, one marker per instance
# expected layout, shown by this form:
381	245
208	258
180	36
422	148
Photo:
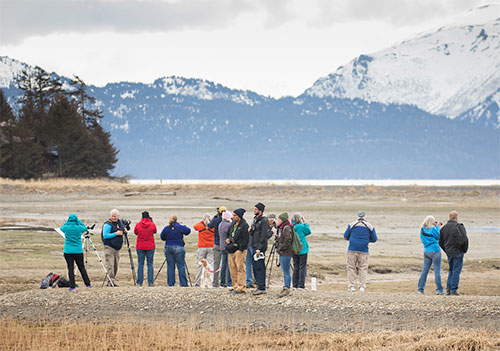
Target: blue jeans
455	262
248	265
141	255
225	275
175	255
434	259
285	263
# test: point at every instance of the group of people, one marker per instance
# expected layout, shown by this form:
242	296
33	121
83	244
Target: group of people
236	250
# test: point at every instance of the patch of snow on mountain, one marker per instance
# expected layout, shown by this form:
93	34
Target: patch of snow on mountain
9	70
129	94
445	72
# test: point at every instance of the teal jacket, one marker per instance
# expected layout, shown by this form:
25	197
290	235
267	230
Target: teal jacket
73	230
302	230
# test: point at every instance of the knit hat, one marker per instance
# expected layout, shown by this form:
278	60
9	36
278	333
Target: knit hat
361	214
239	212
283	216
260	206
145	214
226	215
222	209
271	216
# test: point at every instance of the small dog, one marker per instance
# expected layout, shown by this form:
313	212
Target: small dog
207	274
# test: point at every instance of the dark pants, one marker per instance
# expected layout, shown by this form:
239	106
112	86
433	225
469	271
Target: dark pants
259	271
225	274
70	261
299	271
455	262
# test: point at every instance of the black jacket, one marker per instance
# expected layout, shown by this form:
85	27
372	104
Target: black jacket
453	238
260	229
240	236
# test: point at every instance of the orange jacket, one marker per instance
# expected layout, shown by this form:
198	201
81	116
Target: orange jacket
206	235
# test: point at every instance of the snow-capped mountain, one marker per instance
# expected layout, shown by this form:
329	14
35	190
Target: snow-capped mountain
397	113
448	71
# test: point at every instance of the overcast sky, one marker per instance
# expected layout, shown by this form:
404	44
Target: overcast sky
272	47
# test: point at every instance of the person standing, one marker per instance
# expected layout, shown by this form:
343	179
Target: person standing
214	224
285	237
429	235
175	254
224	228
73	250
454	242
145	247
259	231
300	226
112	238
205	246
236	245
359	233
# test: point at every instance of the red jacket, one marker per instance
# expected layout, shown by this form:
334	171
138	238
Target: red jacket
206	235
144	231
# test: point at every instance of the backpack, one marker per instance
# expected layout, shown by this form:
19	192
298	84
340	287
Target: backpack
296	244
63	283
50	281
461	238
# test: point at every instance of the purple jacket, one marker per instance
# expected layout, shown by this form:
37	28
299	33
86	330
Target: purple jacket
224	228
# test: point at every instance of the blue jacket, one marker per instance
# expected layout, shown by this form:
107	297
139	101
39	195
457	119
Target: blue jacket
360	236
430	239
73	230
302	230
174	234
214	224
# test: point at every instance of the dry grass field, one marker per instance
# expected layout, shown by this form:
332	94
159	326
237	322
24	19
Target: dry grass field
404	321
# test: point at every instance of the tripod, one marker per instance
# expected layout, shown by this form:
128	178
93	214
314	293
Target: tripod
130	257
185	265
86	242
270	258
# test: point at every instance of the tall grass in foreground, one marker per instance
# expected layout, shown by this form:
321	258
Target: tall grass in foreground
16	335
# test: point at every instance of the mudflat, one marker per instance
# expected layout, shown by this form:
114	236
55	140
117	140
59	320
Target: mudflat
390	302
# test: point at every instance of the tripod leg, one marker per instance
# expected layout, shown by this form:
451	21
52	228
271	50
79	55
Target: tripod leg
131	259
159	270
189	275
102	264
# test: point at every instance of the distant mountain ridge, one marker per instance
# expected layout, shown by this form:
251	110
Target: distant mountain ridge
380	116
448	72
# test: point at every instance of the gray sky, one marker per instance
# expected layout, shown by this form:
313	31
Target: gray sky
272	47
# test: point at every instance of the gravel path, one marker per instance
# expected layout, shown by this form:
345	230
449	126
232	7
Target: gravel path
317	311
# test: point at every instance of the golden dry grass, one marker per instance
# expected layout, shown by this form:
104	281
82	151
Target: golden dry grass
127	335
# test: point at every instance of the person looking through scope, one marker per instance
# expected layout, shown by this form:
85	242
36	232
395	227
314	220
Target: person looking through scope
73	251
112	239
175	254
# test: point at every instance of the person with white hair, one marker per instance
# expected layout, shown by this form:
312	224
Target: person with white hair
429	235
112	239
205	246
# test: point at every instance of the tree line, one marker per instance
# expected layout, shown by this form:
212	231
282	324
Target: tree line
54	132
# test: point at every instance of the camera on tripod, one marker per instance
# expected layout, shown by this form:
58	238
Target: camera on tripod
126	223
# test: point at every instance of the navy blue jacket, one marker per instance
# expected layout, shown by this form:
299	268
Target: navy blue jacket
214	224
174	234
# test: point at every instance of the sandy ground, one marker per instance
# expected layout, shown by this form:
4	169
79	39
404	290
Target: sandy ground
391	302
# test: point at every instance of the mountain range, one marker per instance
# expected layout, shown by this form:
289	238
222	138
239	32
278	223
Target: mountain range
427	107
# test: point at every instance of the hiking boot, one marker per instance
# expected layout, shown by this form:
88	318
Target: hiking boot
284	292
420	292
259	292
71	289
455	293
250	286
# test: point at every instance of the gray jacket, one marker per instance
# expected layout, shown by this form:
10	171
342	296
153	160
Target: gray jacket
224	228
